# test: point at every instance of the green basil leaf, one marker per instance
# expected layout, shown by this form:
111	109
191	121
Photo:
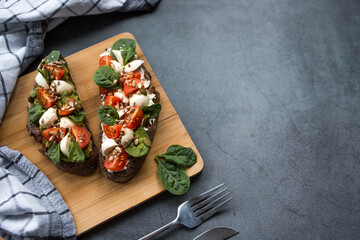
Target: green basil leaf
75	153
108	115
127	46
153	110
173	177
104	77
53	56
180	155
35	114
54	152
78	116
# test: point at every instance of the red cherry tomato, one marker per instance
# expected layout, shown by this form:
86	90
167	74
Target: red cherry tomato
112	131
133	120
117	162
129	87
81	135
112	100
68	107
49	132
56	72
105	60
45	98
105	91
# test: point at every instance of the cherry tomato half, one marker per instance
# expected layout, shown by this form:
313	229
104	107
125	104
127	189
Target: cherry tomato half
133	120
105	91
129	88
105	60
68	107
112	131
56	72
112	100
82	136
118	161
49	132
45	98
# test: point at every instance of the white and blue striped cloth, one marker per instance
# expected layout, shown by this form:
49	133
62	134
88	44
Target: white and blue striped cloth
30	206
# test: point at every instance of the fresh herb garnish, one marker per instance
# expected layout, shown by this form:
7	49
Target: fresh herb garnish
180	155
153	110
127	47
107	78
53	56
54	152
35	114
75	153
143	146
78	116
108	115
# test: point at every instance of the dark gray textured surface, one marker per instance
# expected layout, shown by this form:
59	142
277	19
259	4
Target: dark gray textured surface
269	92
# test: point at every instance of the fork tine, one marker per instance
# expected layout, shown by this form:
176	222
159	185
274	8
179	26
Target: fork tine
208	214
210	205
204	195
203	203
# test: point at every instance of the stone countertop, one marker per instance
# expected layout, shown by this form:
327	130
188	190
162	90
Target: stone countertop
269	91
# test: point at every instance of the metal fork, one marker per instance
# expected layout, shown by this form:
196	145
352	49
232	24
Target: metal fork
197	210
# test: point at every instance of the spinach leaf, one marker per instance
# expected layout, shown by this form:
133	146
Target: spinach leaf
152	110
63	97
53	56
35	114
78	116
54	152
127	46
180	155
75	153
144	144
104	77
173	177
108	115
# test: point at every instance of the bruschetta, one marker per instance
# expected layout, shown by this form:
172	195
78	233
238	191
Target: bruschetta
129	111
56	118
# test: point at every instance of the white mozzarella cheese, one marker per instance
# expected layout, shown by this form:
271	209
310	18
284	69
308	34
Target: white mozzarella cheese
117	67
122	96
41	81
139	100
61	86
66	122
133	65
127	138
107	146
65	144
48	118
118	56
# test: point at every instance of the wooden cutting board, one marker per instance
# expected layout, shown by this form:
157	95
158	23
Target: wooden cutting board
94	199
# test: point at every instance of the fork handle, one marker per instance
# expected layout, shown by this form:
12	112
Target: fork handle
156	232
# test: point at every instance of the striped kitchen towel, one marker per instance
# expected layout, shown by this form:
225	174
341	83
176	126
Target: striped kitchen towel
30	206
24	23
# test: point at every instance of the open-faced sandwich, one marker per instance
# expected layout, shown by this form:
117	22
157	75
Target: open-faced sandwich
129	111
57	119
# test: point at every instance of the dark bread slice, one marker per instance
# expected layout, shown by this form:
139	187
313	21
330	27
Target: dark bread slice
87	167
133	164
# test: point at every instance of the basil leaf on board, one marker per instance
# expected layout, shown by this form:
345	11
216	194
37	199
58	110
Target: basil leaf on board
152	110
173	177
127	46
53	56
104	77
180	155
75	153
78	116
35	114
144	144
108	115
54	152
